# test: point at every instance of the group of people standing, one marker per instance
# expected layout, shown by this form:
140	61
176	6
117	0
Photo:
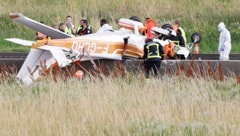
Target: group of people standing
153	51
82	29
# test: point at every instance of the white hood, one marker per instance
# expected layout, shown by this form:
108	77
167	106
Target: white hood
105	27
221	26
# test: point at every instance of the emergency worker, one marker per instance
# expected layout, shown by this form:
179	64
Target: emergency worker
62	27
149	23
224	46
104	26
174	35
70	28
83	28
153	55
179	30
39	35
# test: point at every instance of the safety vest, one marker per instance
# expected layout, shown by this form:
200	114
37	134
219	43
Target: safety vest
182	32
68	30
79	27
153	51
176	42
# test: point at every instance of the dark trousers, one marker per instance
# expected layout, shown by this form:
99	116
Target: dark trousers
152	66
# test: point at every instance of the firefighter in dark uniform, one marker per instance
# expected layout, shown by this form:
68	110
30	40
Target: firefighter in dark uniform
153	55
176	36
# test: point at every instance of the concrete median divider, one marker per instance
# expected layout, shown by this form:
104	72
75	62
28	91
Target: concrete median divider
197	65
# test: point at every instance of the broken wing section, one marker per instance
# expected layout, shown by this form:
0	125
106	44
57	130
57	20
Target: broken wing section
43	57
58	54
47	30
31	67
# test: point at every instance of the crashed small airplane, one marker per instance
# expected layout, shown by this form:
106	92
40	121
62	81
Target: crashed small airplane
62	49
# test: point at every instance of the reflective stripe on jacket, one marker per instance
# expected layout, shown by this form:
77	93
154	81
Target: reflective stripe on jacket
79	27
182	32
153	51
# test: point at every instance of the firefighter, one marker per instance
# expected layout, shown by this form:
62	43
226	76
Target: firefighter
179	30
175	36
153	55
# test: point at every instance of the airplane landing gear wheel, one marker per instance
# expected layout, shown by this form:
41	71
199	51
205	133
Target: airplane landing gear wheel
196	38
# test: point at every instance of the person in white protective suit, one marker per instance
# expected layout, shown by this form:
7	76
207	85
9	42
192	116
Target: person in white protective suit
224	46
104	26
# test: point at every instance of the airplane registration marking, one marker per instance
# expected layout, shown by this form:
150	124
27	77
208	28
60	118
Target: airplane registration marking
91	47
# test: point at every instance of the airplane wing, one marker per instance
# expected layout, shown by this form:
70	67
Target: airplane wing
183	51
58	54
158	30
46	55
31	68
20	41
47	30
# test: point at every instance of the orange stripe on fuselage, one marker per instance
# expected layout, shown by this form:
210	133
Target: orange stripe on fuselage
92	46
132	50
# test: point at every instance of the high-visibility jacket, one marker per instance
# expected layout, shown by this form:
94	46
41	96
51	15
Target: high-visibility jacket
178	39
182	32
68	30
80	30
79	27
153	50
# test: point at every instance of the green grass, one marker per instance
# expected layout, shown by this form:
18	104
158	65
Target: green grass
197	16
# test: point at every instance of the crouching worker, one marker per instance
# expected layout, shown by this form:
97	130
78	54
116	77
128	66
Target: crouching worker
153	55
